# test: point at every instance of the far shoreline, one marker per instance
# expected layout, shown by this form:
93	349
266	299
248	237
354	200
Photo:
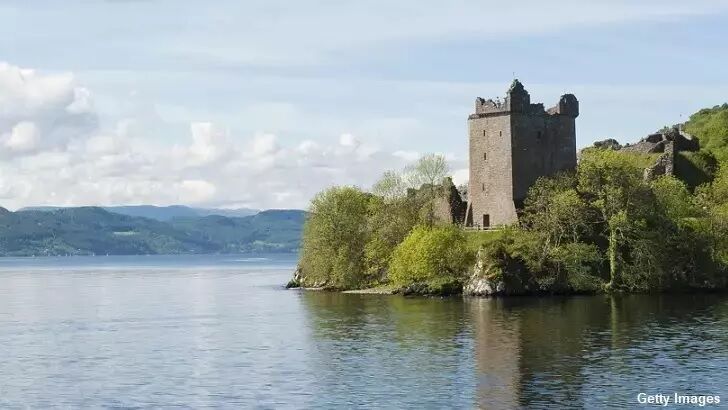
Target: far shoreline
4	257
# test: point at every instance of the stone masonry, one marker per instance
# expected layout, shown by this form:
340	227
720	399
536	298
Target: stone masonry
668	143
513	143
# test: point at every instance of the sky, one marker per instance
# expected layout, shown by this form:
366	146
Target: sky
264	103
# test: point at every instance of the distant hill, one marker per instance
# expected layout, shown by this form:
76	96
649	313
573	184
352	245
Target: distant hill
160	213
96	231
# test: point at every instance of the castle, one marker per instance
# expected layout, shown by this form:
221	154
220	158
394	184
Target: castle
513	143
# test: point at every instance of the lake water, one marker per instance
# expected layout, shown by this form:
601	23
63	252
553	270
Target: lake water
220	331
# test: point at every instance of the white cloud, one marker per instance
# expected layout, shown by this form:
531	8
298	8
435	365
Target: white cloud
407	155
81	101
348	140
119	164
264	144
209	144
24	137
195	191
41	111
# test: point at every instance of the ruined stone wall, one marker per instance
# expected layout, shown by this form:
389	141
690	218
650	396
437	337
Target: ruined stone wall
449	206
665	164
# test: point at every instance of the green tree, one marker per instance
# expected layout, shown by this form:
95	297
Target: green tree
556	219
713	199
391	186
389	223
435	256
555	208
427	173
674	199
392	214
612	183
334	239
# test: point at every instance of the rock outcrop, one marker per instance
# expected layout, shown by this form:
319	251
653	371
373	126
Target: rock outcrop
299	280
482	281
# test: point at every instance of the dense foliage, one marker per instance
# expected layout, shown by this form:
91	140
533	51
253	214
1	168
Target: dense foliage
710	125
353	239
436	256
91	230
335	236
605	227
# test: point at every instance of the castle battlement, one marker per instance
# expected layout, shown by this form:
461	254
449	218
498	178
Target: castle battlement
513	142
517	99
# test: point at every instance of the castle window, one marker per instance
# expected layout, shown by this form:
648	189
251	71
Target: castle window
485	156
538	136
484	133
483	186
500	133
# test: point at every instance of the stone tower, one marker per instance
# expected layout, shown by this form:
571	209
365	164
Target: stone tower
513	143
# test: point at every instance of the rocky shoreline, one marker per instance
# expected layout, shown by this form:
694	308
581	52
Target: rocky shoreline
480	282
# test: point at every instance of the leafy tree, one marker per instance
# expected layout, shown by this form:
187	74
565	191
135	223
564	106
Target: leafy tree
612	183
555	208
430	255
430	169
391	186
392	214
556	219
713	199
389	223
334	238
427	172
674	198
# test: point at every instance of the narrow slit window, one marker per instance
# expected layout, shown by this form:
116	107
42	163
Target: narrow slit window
483	186
485	156
484	133
500	133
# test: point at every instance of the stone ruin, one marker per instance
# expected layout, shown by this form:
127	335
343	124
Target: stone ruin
450	207
653	143
668	142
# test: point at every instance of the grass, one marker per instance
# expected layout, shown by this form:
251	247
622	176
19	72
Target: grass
478	238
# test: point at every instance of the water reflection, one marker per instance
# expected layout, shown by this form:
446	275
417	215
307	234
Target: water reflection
389	351
223	334
507	353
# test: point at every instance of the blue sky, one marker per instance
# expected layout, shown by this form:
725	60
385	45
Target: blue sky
263	103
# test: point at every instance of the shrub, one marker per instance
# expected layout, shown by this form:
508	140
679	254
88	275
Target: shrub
428	255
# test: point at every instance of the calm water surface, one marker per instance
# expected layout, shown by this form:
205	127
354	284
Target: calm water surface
219	331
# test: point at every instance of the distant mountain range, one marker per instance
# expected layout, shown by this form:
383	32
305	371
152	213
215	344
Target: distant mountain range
97	231
160	213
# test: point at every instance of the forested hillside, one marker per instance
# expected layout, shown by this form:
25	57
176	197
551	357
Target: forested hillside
92	230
